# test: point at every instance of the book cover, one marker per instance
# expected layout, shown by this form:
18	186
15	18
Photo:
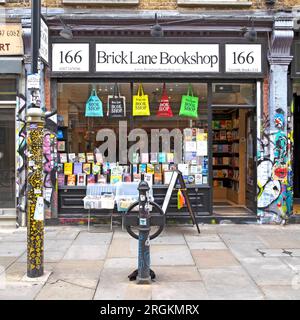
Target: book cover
144	157
60	167
157	168
63	157
60	179
134	168
167	177
68	168
99	157
126	177
96	168
154	157
157	178
90	157
198	178
142	168
90	179
102	178
115	179
150	168
86	168
194	169
61	146
77	168
81	179
136	177
81	157
191	179
162	157
170	157
204	179
72	157
173	167
165	167
71	180
135	158
183	168
149	178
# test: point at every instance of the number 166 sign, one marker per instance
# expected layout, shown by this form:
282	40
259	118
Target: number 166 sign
243	58
70	57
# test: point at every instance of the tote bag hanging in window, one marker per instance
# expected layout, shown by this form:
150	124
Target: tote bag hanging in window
189	104
140	106
93	107
164	109
116	105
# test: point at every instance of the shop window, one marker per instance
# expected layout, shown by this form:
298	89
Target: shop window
8	90
153	142
233	94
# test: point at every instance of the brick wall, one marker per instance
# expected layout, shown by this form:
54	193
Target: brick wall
158	5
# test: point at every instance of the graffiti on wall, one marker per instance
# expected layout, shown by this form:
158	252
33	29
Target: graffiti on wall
274	172
20	158
49	158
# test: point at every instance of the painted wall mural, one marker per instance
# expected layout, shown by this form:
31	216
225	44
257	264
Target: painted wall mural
274	171
20	159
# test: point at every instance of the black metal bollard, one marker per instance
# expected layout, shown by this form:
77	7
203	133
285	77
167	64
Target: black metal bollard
143	276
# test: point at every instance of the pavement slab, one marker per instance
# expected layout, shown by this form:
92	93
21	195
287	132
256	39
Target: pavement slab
64	290
86	252
178	274
194	290
206	259
123	247
276	292
231	282
172	255
17	290
214	245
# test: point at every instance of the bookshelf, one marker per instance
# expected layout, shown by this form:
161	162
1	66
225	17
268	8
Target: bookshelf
229	156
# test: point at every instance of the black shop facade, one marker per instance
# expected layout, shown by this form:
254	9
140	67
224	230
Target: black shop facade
214	145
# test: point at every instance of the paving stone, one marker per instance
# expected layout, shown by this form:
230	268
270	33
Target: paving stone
231	283
193	290
272	252
83	282
292	262
244	251
86	252
166	239
55	244
62	290
124	291
202	238
216	245
241	237
121	247
269	271
276	292
206	259
17	290
9	249
286	241
94	239
295	252
171	255
5	262
178	273
120	263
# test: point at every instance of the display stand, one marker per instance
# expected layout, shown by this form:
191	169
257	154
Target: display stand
177	176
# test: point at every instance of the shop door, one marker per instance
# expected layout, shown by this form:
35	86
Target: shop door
251	161
7	158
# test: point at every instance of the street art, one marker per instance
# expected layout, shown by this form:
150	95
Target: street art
49	160
274	172
20	158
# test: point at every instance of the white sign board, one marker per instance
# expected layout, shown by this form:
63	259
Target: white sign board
133	57
243	58
44	42
70	57
33	81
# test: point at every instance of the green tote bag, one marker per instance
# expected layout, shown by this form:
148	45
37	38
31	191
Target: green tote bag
189	104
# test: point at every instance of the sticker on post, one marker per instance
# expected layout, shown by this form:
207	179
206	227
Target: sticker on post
143	221
39	209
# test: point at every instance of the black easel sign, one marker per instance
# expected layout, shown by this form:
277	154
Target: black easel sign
177	175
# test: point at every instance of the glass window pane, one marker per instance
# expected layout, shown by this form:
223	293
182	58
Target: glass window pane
7	158
8	90
233	94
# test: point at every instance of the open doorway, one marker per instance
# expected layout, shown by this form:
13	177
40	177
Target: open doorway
234	161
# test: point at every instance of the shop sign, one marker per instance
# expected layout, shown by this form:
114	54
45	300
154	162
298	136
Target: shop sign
70	57
11	41
44	42
188	58
243	58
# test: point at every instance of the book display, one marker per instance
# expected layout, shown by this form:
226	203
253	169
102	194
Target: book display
227	150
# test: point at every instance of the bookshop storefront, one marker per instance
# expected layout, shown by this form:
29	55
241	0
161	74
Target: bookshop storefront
125	108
